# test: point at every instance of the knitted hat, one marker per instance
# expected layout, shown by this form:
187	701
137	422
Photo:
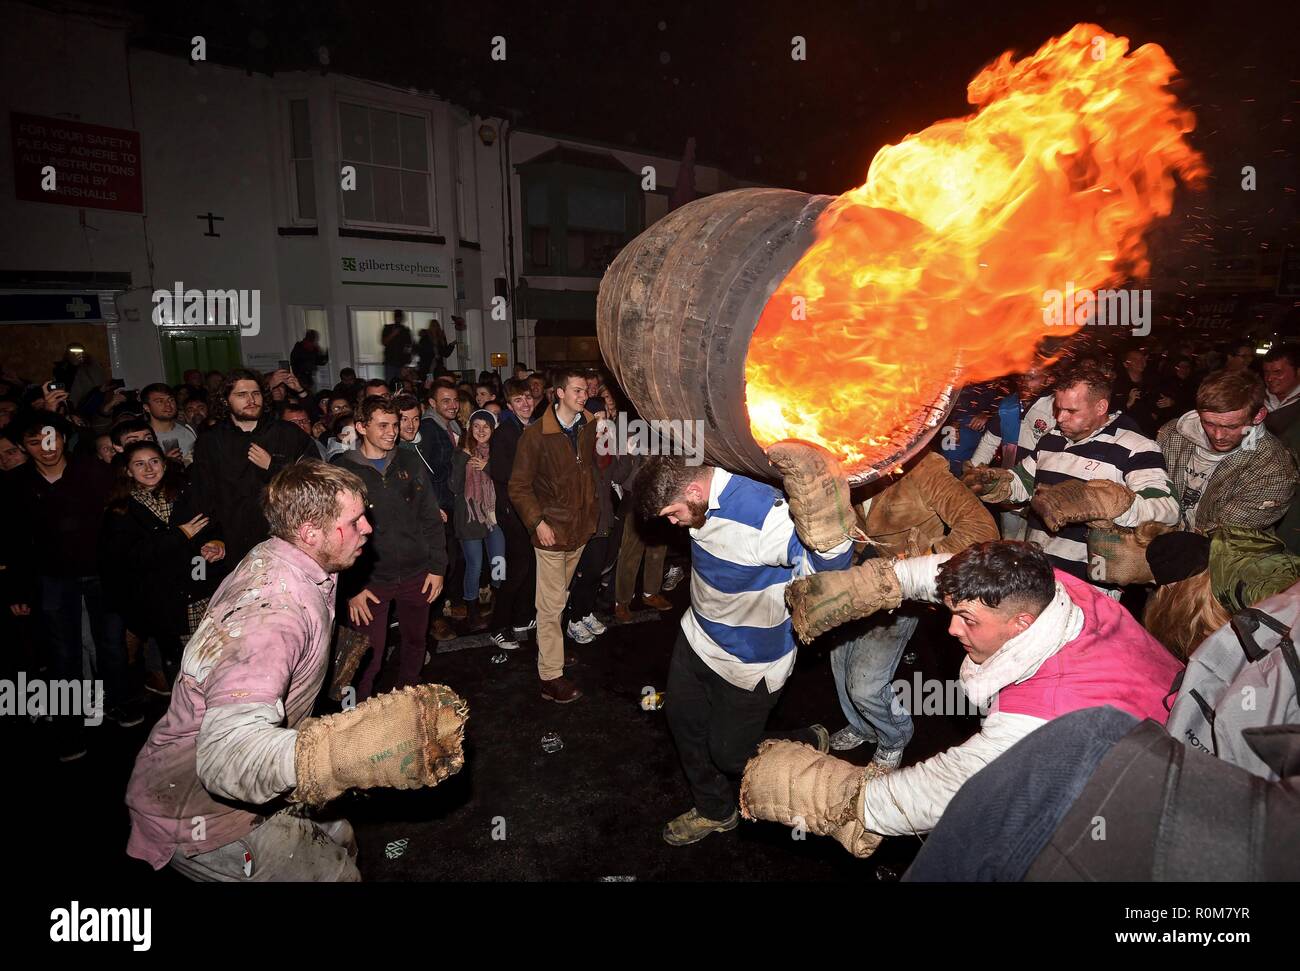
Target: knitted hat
484	414
1177	556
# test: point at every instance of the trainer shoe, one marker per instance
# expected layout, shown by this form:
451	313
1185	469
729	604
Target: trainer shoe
674	576
503	642
580	633
443	631
656	601
592	624
125	716
560	690
888	760
691	827
526	630
846	739
156	682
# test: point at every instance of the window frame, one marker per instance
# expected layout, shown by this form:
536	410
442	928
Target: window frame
398	109
291	161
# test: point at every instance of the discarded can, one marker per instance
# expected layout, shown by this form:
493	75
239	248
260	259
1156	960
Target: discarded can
886	874
500	658
552	743
909	657
395	849
652	701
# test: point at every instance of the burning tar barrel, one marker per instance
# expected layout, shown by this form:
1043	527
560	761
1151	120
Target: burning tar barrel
678	307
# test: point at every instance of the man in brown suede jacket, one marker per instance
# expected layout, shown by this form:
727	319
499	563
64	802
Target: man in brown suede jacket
553	488
926	510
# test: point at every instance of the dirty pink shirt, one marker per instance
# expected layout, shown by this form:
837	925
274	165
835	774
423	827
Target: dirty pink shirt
264	640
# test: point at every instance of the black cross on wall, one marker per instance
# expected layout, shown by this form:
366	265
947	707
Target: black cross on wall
211	219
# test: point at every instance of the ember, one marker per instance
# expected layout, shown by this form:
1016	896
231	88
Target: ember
943	255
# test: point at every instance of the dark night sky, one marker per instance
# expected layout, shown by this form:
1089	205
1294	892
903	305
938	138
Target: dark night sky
647	75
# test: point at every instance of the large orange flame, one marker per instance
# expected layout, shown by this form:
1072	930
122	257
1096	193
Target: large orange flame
945	253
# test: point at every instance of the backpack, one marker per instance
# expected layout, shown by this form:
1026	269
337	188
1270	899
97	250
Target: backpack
1242	679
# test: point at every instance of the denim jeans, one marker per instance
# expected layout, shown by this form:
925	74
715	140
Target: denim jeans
495	542
863	667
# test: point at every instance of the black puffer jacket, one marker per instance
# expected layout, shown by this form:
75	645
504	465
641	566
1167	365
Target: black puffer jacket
408	538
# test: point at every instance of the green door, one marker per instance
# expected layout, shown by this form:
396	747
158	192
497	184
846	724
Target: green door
205	348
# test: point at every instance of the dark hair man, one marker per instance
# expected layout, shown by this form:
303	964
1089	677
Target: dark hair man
1282	378
236	459
1090	444
238	733
11	451
553	488
440	433
406	560
512	613
305	357
375	387
1240	355
129	431
397	340
56	507
1039	643
176	440
296	414
735	649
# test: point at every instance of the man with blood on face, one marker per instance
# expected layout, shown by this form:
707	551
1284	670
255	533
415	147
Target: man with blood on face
230	741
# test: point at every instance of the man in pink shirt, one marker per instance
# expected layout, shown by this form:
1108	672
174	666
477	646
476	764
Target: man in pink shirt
237	734
1039	643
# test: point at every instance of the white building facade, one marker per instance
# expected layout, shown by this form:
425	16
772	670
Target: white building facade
329	202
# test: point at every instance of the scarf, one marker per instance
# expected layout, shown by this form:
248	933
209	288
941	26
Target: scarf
480	490
154	502
1020	658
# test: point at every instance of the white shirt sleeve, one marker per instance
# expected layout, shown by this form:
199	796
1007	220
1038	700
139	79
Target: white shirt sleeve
245	753
911	800
985	450
918	575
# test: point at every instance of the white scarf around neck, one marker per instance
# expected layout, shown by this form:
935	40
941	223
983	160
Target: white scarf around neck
1020	658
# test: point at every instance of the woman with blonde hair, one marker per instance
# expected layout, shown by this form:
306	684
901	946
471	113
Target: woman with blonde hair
1204	580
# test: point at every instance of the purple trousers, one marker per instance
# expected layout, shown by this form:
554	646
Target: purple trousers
413	622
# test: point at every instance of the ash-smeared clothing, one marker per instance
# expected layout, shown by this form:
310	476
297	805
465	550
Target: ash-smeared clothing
1250	487
1117	452
249	676
741	560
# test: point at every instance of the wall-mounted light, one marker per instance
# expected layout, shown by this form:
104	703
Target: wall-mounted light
487	134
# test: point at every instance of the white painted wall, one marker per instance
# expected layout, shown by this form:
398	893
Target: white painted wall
216	139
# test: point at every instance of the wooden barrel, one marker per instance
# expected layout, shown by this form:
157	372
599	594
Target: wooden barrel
678	306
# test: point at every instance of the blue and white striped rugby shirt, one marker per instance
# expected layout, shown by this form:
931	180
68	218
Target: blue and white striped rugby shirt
741	560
